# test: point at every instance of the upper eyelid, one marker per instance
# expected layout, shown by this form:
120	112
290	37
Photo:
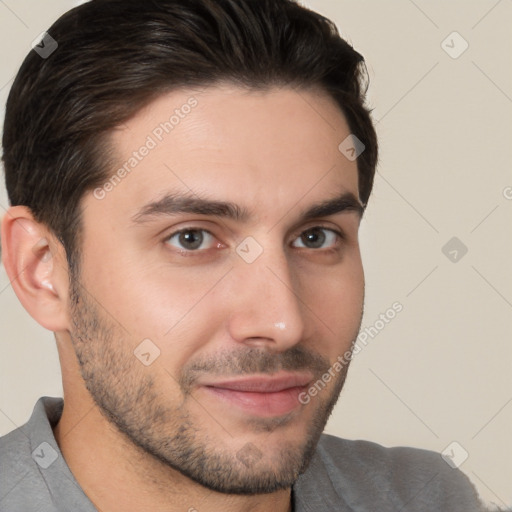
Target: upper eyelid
185	229
192	228
336	230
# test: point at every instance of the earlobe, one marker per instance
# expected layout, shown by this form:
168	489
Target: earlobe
32	257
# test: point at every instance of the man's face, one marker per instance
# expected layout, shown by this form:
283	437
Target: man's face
230	251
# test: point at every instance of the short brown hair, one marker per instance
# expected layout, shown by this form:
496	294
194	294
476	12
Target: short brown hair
116	56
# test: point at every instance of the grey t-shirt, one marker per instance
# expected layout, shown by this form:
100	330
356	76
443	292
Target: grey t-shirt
343	476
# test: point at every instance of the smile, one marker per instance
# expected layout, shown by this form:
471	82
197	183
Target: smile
265	396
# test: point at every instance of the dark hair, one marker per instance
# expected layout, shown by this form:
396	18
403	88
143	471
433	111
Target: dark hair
116	56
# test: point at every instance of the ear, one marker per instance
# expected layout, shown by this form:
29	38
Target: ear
37	268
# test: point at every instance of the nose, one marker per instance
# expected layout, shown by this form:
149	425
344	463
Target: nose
268	310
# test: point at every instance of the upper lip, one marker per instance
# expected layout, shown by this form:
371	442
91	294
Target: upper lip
264	383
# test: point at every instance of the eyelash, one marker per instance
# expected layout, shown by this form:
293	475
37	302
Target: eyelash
189	252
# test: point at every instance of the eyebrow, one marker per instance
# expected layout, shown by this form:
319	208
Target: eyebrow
347	202
173	204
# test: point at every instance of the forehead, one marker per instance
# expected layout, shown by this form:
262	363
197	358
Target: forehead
265	150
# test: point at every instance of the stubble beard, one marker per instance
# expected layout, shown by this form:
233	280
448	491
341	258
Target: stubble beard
127	396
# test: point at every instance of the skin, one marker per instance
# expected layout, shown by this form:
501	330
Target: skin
210	314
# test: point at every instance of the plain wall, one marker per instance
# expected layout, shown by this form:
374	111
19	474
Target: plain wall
440	370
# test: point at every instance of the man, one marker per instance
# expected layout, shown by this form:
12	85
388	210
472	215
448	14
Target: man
187	181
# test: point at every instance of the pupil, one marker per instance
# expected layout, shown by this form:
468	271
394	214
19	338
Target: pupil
191	239
314	238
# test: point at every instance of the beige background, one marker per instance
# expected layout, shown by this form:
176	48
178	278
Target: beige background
440	371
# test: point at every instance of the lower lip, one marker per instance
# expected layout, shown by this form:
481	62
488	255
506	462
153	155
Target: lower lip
277	403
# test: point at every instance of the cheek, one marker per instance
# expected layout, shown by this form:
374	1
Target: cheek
148	298
336	299
176	310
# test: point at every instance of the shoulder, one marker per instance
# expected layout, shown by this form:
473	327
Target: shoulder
365	474
13	447
19	479
22	486
379	460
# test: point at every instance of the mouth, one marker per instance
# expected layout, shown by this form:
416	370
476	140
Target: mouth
265	395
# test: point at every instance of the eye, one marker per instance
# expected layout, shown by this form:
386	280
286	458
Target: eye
317	238
191	239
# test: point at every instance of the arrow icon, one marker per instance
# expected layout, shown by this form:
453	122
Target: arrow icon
44	45
454	454
454	249
249	249
45	455
146	352
351	147
454	45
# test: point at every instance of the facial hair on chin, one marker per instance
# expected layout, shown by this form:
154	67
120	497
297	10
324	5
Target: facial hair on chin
126	394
